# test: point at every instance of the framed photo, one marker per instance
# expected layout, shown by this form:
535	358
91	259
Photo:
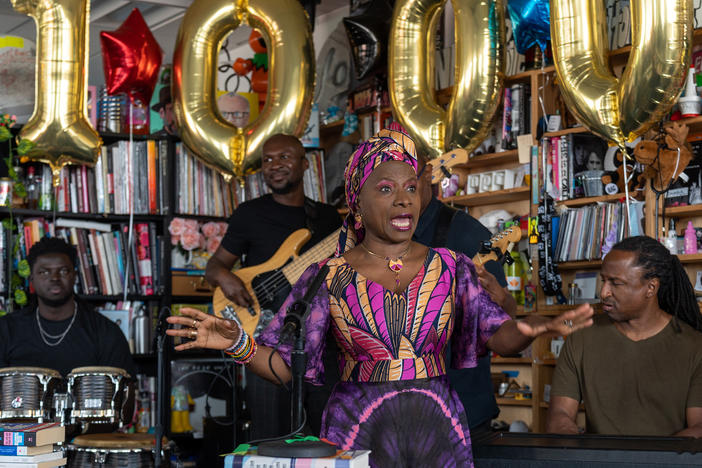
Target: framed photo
120	317
588	153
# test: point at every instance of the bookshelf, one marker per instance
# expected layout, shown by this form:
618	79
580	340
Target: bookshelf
177	176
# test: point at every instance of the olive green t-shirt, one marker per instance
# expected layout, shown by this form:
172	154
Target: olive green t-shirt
631	387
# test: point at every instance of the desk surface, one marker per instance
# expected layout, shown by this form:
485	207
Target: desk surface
550	450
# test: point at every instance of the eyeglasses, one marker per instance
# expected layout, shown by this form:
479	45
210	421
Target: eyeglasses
234	115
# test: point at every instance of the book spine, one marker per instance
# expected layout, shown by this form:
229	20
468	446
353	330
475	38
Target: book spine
28	439
109	178
12	450
144	256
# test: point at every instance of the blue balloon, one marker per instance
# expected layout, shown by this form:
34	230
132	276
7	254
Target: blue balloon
531	23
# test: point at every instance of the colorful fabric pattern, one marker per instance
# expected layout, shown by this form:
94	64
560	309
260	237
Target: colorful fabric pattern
386	145
392	354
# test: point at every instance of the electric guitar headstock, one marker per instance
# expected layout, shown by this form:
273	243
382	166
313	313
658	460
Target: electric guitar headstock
495	248
442	164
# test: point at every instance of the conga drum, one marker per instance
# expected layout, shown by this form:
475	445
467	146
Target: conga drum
100	397
114	451
27	393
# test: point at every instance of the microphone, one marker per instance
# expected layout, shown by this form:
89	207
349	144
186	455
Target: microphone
297	312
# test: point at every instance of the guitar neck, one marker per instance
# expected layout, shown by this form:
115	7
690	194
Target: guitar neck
293	270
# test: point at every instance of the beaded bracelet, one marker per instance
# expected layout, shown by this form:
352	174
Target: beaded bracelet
244	350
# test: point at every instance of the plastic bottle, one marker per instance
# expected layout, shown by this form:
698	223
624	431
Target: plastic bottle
671	242
690	239
515	275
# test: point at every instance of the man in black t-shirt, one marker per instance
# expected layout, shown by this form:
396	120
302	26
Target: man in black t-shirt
256	230
58	332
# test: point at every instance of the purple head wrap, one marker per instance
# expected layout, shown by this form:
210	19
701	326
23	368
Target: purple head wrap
390	144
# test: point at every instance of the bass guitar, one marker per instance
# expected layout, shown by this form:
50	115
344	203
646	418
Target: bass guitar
498	245
286	267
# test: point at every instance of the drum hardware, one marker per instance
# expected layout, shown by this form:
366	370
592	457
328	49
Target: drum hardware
99	396
27	393
114	450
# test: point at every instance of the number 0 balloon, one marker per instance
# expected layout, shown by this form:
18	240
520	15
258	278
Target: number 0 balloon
479	71
286	30
621	109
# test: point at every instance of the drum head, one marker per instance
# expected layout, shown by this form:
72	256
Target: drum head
98	370
29	370
116	440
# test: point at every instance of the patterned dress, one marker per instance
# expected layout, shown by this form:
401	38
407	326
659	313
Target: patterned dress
394	397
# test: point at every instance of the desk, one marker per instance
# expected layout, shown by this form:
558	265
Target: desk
519	450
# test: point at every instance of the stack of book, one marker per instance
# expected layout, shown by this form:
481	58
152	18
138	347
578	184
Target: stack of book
247	457
31	445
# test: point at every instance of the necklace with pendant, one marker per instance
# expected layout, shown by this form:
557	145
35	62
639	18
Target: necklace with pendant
394	264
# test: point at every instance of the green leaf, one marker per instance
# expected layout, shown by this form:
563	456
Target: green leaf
25	146
16	281
260	59
23	268
5	133
20	297
20	190
7	224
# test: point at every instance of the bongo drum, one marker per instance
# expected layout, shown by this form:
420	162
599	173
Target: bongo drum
114	451
27	393
99	396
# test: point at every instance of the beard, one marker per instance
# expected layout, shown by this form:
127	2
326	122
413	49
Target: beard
289	186
58	302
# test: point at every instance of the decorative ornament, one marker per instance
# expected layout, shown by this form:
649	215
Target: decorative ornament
59	126
131	58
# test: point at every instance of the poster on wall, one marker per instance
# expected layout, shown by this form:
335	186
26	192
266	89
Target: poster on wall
17	59
162	119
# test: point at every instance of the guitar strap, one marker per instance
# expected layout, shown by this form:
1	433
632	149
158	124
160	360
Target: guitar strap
443	225
311	215
549	278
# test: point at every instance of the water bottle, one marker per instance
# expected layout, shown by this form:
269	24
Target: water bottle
142	338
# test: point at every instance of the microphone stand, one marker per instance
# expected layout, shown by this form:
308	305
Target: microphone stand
160	388
294	323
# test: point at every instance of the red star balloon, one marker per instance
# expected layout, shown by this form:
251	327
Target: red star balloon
131	58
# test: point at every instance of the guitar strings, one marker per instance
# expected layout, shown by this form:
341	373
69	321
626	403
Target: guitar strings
275	280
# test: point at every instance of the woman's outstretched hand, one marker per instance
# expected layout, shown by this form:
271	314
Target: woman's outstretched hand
563	325
206	331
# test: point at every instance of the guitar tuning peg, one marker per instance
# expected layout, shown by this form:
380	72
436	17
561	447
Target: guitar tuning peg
508	259
485	247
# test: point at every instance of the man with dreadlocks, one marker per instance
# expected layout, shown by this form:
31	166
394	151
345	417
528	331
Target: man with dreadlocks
639	367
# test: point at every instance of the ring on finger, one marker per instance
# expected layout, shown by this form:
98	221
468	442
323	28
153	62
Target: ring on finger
568	323
194	323
193	333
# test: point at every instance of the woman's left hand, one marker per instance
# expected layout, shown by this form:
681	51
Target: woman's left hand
563	325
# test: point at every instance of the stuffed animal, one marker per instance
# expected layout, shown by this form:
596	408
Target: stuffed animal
662	167
659	154
636	182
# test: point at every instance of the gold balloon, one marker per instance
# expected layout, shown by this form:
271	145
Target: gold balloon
59	126
619	110
288	35
479	72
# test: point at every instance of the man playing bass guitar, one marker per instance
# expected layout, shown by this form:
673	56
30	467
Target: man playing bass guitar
256	229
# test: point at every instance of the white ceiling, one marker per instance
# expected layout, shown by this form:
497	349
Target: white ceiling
162	16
